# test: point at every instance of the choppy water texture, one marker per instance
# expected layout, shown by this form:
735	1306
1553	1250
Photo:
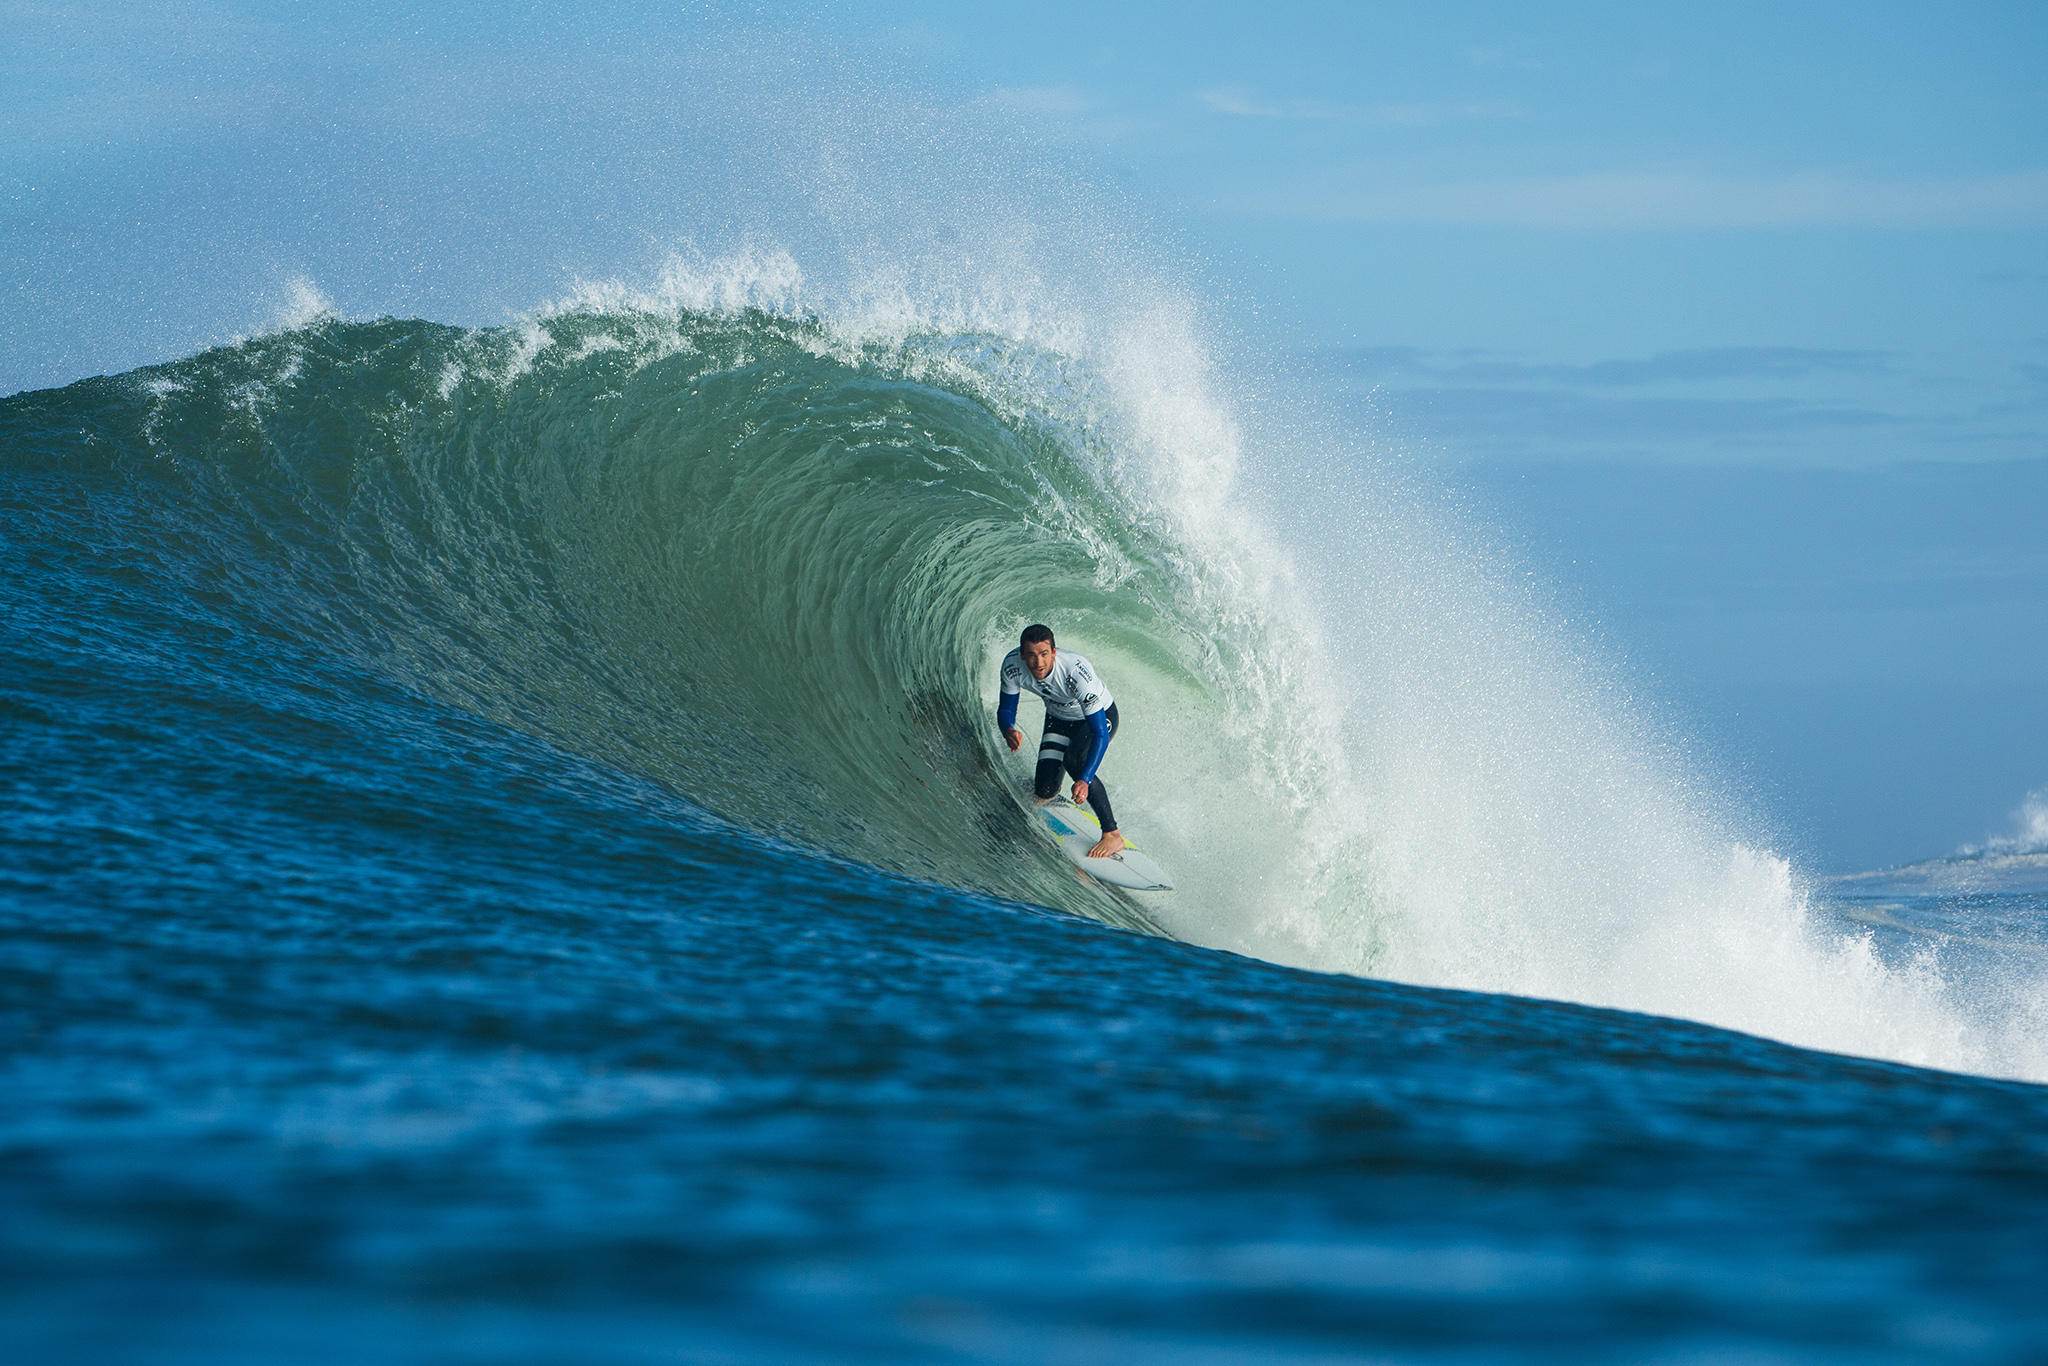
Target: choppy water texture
507	859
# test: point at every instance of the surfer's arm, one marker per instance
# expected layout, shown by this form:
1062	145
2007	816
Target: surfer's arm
1006	719
1098	722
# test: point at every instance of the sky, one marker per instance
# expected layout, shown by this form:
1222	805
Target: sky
1731	318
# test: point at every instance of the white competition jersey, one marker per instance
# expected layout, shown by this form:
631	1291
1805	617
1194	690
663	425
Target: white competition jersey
1070	688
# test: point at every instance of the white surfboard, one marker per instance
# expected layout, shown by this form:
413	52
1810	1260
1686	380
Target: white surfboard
1074	829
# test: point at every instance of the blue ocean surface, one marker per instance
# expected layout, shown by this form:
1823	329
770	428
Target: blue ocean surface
506	858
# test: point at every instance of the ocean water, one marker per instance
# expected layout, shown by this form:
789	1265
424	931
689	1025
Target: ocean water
507	858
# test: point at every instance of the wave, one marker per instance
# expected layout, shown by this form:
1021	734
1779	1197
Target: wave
768	567
2029	838
770	558
2003	865
1959	875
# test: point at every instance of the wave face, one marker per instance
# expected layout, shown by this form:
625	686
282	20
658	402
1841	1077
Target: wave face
770	563
766	568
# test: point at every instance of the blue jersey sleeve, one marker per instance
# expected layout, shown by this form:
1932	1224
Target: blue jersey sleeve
1098	721
1006	710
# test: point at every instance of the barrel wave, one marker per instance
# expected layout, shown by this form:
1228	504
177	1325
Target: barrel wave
769	561
761	566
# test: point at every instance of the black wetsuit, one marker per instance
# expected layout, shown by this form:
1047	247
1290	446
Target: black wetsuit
1070	745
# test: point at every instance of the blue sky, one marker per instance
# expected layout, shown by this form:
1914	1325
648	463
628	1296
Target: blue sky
1734	317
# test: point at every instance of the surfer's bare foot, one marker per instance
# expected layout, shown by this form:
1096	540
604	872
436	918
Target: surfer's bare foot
1112	843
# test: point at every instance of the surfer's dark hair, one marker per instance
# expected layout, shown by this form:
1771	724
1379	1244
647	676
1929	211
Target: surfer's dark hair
1033	634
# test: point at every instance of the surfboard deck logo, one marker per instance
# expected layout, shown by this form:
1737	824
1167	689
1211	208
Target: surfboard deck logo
1074	830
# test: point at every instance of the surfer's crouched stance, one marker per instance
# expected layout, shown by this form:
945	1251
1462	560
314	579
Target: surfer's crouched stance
1080	716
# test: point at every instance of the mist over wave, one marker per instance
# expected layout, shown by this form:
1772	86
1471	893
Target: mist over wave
761	537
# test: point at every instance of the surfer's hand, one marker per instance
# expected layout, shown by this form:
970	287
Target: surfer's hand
1015	737
1080	794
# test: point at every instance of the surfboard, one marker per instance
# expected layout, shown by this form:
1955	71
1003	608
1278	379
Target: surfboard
1074	829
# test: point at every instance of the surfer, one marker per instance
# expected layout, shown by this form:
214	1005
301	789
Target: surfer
1080	716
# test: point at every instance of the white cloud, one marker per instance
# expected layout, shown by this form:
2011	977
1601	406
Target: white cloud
1445	111
1242	101
1629	199
1501	59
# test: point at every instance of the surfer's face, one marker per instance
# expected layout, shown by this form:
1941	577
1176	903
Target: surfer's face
1038	657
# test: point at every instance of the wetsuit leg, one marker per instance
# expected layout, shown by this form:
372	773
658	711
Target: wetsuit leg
1080	748
1053	747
